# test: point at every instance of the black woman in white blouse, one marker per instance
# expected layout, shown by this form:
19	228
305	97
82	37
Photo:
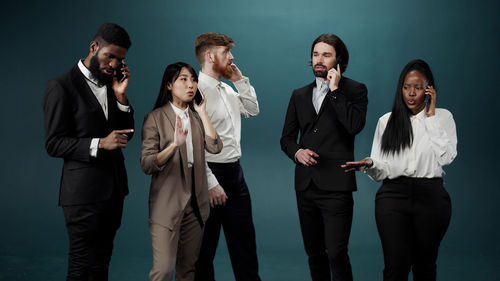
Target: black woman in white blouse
411	145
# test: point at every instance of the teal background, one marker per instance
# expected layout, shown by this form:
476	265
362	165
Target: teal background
458	38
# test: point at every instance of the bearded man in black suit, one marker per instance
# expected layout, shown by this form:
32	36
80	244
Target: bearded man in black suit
88	120
327	113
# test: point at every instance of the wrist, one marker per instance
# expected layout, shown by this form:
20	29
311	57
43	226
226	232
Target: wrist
122	98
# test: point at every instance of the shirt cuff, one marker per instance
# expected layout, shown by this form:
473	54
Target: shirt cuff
295	156
212	182
124	108
242	84
94	146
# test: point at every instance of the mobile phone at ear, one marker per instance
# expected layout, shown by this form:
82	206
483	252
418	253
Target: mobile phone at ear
119	74
338	61
427	101
198	98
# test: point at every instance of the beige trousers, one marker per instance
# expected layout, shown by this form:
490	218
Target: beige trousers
176	249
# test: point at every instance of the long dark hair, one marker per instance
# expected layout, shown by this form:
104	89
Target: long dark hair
398	134
169	76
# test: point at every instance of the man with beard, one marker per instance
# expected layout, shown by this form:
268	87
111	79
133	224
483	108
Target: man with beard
327	113
228	193
88	120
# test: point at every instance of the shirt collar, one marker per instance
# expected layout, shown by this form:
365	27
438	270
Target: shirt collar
319	83
421	115
208	80
86	72
179	111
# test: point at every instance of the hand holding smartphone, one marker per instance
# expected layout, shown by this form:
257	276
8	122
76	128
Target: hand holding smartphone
427	98
119	73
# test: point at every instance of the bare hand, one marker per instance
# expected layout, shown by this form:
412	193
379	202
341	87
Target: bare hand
116	139
429	90
179	135
334	76
306	157
217	196
357	165
120	88
236	73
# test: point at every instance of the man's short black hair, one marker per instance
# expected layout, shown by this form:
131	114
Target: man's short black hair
112	33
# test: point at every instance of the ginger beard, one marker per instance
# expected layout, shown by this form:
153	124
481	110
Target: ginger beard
225	70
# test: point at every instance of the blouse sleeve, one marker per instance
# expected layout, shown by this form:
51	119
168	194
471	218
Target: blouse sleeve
380	168
443	136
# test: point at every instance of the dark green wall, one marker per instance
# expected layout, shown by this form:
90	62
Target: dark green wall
459	39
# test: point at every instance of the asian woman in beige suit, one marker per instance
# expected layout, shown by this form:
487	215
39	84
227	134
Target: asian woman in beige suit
175	136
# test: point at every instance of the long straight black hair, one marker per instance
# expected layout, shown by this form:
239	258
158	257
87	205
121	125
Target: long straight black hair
398	134
169	76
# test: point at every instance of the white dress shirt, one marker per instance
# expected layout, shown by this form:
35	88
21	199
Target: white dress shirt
434	145
101	93
225	107
184	114
319	93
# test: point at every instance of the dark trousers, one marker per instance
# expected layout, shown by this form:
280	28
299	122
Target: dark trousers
412	216
325	222
236	220
91	229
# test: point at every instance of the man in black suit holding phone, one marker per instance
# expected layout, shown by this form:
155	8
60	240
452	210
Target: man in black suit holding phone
327	113
88	120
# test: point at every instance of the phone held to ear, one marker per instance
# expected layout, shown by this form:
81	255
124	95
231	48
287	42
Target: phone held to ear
338	61
119	74
427	101
198	98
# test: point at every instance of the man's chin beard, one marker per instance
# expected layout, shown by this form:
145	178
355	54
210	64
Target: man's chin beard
225	71
97	74
320	73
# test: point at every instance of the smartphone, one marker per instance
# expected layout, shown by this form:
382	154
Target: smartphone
338	61
119	74
427	100
198	98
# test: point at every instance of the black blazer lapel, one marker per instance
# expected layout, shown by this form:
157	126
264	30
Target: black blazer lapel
308	104
84	90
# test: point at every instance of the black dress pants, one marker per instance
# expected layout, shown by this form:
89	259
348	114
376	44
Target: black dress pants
236	220
412	217
91	229
325	222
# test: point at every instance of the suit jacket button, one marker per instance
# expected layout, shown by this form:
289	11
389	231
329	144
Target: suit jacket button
315	130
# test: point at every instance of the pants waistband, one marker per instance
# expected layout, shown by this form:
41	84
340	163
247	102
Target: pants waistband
409	180
225	165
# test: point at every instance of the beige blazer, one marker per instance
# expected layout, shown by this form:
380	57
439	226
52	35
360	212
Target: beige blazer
169	194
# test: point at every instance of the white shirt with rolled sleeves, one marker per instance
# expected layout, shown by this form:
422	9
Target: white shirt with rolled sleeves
434	146
225	108
101	94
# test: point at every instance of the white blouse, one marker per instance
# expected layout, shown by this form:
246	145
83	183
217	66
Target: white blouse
434	145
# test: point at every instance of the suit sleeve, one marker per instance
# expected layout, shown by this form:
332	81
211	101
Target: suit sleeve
350	104
58	119
151	146
290	131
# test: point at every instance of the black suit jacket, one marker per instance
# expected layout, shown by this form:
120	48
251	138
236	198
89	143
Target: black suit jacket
72	117
330	133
